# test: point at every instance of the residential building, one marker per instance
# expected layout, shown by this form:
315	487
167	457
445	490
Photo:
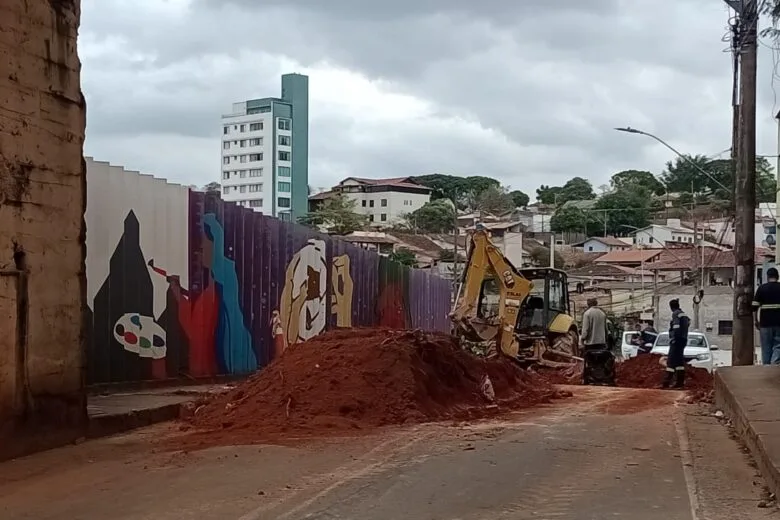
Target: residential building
656	236
384	201
265	151
604	244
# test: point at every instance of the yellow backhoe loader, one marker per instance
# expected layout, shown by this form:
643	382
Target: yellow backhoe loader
521	313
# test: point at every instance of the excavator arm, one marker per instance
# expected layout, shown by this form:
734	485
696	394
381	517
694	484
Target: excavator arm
485	261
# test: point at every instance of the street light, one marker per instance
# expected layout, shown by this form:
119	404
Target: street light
687	159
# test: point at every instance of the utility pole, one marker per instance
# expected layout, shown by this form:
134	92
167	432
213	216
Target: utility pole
745	189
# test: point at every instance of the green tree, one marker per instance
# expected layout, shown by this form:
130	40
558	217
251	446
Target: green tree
337	214
638	178
682	176
629	208
403	257
436	216
576	188
547	194
575	220
465	191
519	198
213	187
495	200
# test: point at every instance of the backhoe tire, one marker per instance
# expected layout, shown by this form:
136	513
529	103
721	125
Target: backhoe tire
568	343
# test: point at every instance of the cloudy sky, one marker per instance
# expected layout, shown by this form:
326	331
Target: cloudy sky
526	91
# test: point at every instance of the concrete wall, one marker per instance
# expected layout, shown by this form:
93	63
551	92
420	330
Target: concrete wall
42	196
185	285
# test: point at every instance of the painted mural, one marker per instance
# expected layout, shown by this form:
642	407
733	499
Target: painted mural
182	285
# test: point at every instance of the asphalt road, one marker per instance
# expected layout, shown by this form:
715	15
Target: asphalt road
607	453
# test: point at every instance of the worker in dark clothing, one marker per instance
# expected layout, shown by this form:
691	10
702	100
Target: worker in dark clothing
766	305
678	339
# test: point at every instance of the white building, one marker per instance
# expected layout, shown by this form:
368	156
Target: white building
604	244
384	201
657	235
265	151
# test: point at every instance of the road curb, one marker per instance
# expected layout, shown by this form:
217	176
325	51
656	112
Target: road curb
726	400
111	424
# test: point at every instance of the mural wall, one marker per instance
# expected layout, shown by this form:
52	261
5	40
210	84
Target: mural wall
184	285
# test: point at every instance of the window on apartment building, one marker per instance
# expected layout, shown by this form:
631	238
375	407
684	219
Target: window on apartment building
285	187
225	175
243	158
286	216
253	157
226	145
371	218
242	143
226	160
255	142
254	127
242	129
284	140
725	327
242	189
370	203
283	171
254	188
258	203
383	217
256	172
383	203
226	130
364	203
242	174
284	156
225	189
651	239
284	124
283	202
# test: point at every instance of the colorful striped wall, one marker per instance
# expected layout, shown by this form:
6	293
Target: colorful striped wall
183	285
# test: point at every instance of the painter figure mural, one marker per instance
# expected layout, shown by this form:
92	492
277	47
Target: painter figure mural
125	341
220	342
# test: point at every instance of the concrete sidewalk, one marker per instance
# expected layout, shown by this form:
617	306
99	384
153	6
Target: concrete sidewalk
118	412
750	397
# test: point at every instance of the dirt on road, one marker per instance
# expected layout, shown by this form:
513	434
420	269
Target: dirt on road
353	380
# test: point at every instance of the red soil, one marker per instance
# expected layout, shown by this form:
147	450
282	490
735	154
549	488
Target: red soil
350	380
645	371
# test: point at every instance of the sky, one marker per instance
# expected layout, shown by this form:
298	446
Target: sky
527	92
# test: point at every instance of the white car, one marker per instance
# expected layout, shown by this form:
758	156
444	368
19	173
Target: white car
698	352
628	346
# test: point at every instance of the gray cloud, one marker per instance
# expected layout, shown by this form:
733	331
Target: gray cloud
526	91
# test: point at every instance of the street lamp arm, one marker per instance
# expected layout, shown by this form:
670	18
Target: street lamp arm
687	159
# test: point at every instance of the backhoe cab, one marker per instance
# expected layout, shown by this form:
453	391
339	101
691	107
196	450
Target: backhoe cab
522	313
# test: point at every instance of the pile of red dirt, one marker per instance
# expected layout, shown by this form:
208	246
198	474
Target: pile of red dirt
357	379
647	371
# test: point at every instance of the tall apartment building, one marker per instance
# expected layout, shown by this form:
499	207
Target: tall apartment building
265	152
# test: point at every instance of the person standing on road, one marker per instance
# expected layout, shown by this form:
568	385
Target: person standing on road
599	360
766	305
678	340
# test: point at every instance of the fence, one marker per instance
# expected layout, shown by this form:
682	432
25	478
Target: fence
184	285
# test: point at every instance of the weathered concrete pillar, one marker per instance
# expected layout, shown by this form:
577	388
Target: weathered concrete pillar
42	201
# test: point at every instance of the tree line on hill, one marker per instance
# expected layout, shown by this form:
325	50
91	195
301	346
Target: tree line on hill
627	202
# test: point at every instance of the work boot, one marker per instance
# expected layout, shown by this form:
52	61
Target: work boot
667	382
679	381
